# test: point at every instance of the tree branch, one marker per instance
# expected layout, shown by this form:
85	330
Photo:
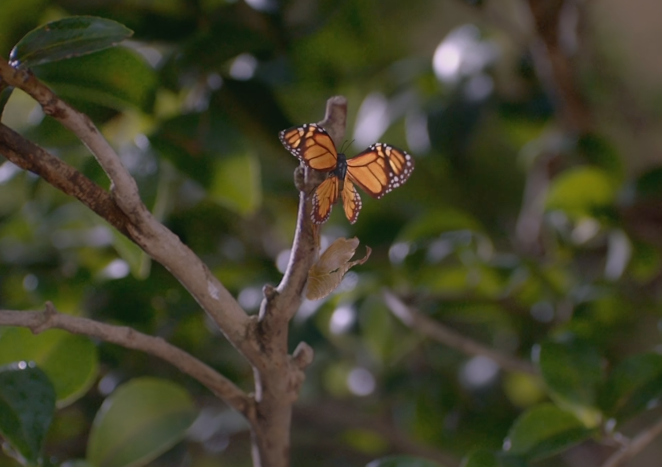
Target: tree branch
279	376
55	171
146	231
446	336
635	446
39	321
81	125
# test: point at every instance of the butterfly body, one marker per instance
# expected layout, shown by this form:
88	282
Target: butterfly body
377	170
341	169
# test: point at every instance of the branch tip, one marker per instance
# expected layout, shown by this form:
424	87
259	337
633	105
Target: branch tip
303	355
269	291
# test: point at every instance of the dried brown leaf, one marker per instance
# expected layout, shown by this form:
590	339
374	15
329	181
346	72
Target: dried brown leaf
325	275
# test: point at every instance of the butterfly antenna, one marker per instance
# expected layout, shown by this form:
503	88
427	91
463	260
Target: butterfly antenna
345	145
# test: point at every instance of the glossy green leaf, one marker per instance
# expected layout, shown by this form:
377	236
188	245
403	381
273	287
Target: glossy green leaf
140	420
69	360
544	431
402	461
485	458
572	372
66	38
581	191
116	78
237	184
480	458
27	402
632	386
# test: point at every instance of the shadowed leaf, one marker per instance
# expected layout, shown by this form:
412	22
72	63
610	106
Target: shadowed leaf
66	38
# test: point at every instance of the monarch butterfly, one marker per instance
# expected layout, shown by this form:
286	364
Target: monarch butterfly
378	170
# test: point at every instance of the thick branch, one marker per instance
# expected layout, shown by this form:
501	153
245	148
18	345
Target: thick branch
39	321
29	156
81	125
306	239
152	236
278	376
635	446
451	338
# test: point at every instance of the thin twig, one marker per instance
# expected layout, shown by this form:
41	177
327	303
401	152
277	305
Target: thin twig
451	338
39	321
635	446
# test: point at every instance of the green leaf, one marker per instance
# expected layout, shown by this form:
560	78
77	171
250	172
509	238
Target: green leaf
581	191
485	458
70	361
632	386
66	38
600	152
27	402
402	461
237	184
480	458
444	219
116	78
544	431
572	372
139	421
649	184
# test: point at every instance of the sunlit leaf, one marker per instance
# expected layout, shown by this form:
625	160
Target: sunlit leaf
69	360
544	431
327	273
581	191
366	441
27	402
140	420
632	386
66	38
237	184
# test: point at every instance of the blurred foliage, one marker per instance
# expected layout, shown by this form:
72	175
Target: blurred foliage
529	238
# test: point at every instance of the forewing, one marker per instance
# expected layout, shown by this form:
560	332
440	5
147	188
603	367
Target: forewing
312	145
380	169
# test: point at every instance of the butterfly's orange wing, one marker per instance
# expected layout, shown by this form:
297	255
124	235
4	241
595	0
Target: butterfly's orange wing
312	145
380	168
351	201
324	197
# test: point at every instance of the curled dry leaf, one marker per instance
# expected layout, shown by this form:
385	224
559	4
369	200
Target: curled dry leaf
325	275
